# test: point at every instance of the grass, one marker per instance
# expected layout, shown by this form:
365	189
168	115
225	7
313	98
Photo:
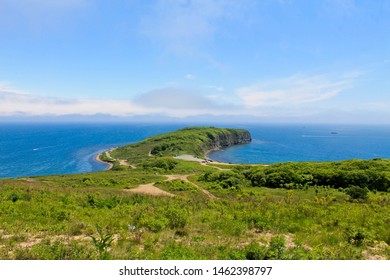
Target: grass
191	140
93	216
35	214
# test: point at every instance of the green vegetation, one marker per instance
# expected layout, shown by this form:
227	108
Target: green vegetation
102	242
196	141
334	210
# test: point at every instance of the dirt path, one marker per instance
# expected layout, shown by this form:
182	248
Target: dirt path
150	189
205	162
125	163
121	161
213	166
110	164
185	179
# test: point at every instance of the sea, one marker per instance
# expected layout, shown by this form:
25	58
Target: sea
46	149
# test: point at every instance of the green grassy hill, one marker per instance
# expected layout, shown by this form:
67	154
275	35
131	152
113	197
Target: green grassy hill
196	141
330	210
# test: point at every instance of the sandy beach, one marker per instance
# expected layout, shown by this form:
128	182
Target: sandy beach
109	164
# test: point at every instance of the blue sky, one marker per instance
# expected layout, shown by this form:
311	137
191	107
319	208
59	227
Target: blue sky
255	60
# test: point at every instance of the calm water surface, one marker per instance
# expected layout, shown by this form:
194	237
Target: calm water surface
42	149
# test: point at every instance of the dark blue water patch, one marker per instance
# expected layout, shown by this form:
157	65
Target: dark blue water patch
282	143
43	149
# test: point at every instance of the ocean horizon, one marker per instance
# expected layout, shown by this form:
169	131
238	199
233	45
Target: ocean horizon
48	149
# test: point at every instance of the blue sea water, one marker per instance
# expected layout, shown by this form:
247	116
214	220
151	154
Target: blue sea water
281	143
43	149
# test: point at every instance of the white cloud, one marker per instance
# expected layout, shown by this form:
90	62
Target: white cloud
294	90
283	97
178	102
17	102
173	102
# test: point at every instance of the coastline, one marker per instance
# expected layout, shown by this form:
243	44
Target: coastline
109	165
210	160
105	156
40	158
187	157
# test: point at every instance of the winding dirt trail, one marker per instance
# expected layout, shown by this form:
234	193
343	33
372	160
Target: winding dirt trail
185	179
110	164
151	189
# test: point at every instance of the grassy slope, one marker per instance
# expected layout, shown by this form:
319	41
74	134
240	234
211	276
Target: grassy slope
193	140
53	217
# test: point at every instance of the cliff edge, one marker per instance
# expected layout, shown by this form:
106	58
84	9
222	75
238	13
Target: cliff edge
196	141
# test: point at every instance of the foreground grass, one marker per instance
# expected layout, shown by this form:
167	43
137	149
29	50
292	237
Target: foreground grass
55	217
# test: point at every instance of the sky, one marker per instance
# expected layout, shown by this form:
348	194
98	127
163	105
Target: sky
248	60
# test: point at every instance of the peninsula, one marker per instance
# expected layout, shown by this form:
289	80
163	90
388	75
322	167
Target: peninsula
195	141
153	205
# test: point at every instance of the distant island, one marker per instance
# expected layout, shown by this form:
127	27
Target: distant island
163	198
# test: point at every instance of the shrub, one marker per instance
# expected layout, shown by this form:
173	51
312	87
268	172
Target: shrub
87	181
102	242
257	221
13	197
177	218
276	248
165	163
356	192
226	179
356	236
254	251
154	224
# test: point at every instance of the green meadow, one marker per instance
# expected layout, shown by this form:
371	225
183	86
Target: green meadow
285	211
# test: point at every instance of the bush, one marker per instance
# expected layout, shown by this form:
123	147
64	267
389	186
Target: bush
102	242
154	224
177	218
226	179
13	197
356	236
257	221
356	192
276	248
165	163
254	251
